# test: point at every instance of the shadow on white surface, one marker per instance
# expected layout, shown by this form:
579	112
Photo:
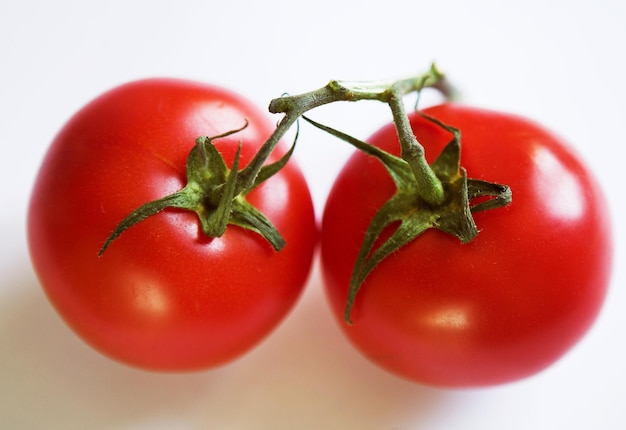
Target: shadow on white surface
52	380
303	376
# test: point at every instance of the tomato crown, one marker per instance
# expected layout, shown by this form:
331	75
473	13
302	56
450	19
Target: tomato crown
414	214
427	196
437	196
215	193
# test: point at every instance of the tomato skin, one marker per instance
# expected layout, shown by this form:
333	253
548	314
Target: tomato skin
164	296
500	308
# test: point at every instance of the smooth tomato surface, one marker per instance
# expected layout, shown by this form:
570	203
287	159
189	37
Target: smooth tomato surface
500	308
163	295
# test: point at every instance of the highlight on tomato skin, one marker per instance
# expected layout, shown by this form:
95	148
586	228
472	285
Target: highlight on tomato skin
500	308
164	296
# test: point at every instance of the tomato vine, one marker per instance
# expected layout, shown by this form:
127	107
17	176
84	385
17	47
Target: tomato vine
428	196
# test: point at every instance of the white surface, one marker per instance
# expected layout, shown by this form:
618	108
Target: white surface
560	62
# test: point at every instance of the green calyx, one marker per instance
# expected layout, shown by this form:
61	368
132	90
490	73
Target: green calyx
427	196
414	214
216	193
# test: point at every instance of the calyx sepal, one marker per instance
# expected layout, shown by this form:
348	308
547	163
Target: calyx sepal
412	214
216	193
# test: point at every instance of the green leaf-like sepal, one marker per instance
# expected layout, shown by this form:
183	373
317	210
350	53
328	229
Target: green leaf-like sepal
411	215
215	193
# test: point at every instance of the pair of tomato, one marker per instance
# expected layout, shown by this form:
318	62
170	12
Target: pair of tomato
164	296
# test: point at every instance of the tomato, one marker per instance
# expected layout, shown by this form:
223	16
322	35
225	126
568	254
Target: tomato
503	306
164	296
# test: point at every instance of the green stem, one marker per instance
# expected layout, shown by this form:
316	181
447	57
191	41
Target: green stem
247	176
429	186
353	91
388	91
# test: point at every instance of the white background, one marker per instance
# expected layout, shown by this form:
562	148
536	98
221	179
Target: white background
559	62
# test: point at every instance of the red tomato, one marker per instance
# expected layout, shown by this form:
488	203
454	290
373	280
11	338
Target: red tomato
500	308
164	296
